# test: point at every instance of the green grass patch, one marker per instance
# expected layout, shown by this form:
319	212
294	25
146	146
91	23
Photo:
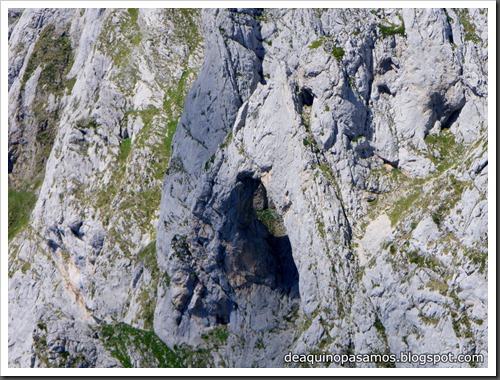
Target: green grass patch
436	218
357	138
126	34
227	140
468	26
190	32
438	285
70	83
176	95
461	325
25	267
338	53
391	29
173	104
478	258
429	320
210	162
449	151
125	147
122	340
273	221
321	228
392	249
423	261
402	205
147	298
125	342
21	204
148	254
316	44
218	335
260	17
134	14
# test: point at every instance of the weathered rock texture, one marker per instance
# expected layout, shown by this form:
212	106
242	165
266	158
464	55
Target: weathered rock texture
325	189
111	113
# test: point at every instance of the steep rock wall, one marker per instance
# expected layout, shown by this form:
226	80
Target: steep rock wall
325	189
86	257
354	130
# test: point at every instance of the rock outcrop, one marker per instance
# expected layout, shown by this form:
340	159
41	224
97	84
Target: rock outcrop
89	245
325	189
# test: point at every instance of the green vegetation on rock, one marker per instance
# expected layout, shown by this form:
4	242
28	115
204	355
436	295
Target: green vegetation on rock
153	138
147	297
402	205
136	348
216	337
123	341
125	147
126	26
316	44
468	25
273	221
21	204
86	123
327	41
338	53
379	325
392	29
159	123
49	358
53	54
134	14
445	151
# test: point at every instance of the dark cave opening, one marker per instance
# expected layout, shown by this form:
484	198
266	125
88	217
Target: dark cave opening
262	253
387	64
383	89
278	240
251	272
442	110
306	97
447	123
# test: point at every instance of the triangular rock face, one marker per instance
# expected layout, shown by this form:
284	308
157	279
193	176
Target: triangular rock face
226	186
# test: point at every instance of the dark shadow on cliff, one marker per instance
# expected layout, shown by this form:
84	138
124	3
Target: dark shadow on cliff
259	251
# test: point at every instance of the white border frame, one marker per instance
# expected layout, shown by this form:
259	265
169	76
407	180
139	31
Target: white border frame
490	371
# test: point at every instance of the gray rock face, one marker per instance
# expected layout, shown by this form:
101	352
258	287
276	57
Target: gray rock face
337	103
325	189
86	258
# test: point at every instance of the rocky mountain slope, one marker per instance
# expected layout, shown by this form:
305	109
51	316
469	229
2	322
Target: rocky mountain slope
222	187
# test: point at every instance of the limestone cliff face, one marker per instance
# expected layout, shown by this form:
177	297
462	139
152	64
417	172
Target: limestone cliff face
102	129
325	189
